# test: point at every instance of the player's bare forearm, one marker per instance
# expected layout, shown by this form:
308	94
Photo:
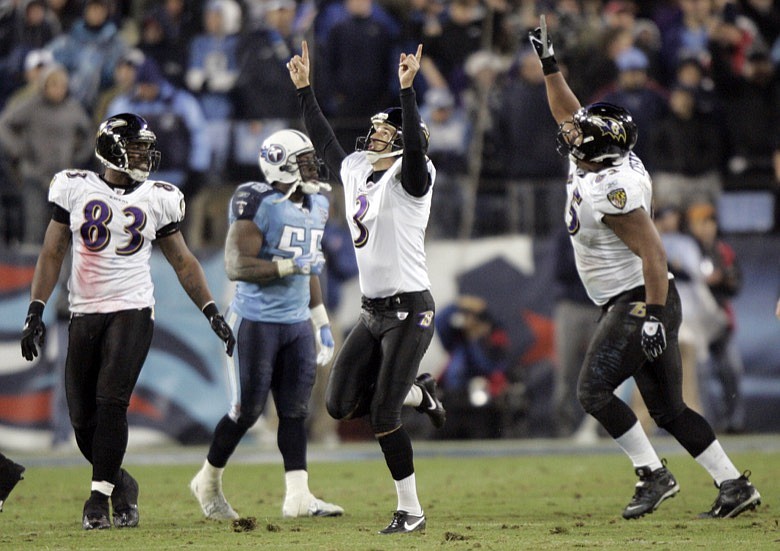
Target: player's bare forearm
47	270
188	270
315	292
250	269
563	102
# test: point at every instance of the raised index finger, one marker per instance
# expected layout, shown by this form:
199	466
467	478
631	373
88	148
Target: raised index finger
418	55
305	52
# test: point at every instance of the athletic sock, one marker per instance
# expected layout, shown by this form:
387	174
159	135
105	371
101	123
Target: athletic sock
717	463
637	446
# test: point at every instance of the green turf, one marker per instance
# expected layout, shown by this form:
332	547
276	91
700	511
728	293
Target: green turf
524	502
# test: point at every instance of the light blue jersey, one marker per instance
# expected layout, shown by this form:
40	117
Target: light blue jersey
289	231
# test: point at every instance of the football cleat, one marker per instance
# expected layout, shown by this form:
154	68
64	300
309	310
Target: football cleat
651	490
734	497
212	500
10	475
405	523
95	515
309	506
431	406
124	500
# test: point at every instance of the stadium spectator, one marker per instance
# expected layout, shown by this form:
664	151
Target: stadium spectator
167	28
687	146
474	377
277	312
34	63
211	73
125	74
576	319
638	93
389	182
179	124
449	153
10	475
40	135
90	51
621	260
359	79
721	272
111	297
263	104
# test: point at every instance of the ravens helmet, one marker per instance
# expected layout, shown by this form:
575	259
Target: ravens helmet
392	117
280	161
125	143
598	133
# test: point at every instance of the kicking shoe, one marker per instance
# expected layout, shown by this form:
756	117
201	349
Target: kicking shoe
431	406
95	515
309	506
404	523
10	475
734	496
209	495
651	490
124	500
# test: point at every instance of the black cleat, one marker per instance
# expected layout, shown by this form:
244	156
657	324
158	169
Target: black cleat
95	516
734	497
10	475
404	523
651	490
124	500
431	406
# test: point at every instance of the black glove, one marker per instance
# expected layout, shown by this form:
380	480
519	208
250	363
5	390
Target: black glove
34	331
653	333
220	327
543	46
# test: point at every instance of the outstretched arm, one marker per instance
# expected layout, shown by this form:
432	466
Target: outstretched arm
317	126
414	169
563	103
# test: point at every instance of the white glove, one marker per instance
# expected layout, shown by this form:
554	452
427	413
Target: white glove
323	336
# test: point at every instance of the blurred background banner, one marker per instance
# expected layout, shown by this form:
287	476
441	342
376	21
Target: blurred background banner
181	393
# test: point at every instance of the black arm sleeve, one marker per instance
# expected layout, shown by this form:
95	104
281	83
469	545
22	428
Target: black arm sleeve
414	168
59	214
320	132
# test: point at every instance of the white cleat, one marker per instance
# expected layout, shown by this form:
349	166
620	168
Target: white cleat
307	505
212	501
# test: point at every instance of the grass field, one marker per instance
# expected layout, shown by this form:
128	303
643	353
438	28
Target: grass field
473	501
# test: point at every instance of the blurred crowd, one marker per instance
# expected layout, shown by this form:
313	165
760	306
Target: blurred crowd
699	76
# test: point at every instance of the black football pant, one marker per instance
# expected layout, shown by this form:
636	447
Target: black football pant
378	362
105	355
615	354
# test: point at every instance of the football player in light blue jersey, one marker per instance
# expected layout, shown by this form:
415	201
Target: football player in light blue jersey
274	251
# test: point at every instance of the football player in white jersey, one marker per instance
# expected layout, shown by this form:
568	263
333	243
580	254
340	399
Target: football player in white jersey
622	263
274	252
388	183
110	222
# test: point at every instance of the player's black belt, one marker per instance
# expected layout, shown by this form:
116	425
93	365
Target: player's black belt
390	303
637	294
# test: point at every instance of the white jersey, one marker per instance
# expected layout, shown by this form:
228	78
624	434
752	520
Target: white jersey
606	265
388	228
112	238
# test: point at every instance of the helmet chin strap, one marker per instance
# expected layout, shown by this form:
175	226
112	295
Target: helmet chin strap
308	188
373	156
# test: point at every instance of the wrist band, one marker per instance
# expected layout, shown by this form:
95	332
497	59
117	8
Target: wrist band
36	307
319	316
210	310
285	267
550	65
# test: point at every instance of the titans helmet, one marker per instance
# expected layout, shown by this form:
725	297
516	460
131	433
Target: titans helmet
118	135
393	117
279	161
598	133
